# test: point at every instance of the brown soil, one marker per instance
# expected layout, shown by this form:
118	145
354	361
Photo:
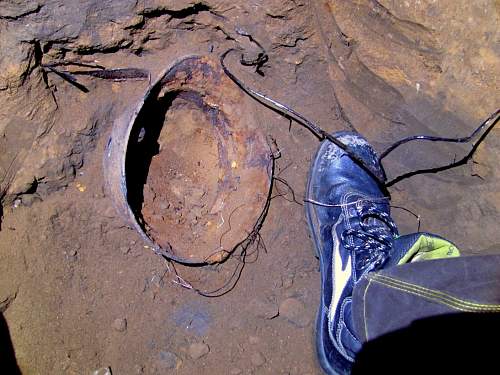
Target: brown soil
185	203
78	289
182	182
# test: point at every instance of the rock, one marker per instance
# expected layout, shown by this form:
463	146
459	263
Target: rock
29	199
157	281
6	300
235	371
72	253
257	359
194	196
264	308
125	249
102	371
198	350
164	205
287	281
295	312
253	340
120	324
17	9
167	360
139	369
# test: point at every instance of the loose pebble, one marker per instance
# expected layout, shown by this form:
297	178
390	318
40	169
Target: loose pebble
81	188
167	360
264	309
253	340
29	199
257	359
120	324
198	350
288	281
102	371
295	312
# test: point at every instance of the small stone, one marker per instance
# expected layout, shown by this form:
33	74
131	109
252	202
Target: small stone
196	194
198	350
288	282
167	360
102	371
164	205
235	371
157	281
125	249
120	324
139	369
264	309
257	359
29	199
72	253
295	312
253	340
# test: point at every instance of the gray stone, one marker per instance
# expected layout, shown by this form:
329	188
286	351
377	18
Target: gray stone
198	350
287	281
125	249
295	312
120	324
102	371
167	360
253	340
264	308
29	199
17	9
257	359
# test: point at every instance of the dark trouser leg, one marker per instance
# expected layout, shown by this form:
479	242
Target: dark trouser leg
428	311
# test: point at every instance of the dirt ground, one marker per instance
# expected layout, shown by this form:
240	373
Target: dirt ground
79	291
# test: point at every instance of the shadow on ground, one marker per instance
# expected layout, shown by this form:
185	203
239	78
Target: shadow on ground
8	361
454	343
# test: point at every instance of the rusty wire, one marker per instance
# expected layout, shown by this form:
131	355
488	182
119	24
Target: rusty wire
489	123
254	237
97	71
290	113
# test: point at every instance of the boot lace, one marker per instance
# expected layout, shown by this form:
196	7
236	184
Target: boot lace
371	243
